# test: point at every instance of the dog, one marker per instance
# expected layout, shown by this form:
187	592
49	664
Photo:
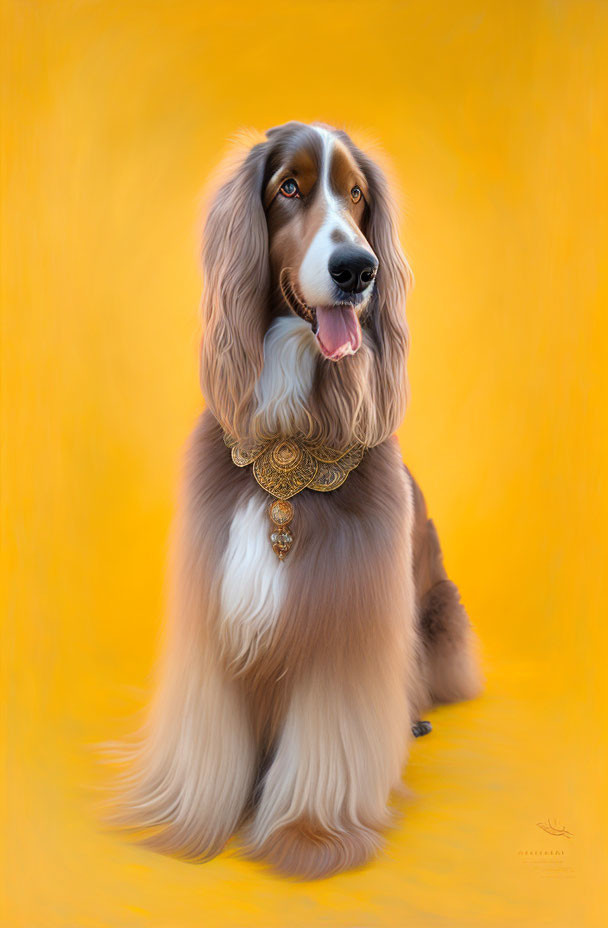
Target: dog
312	619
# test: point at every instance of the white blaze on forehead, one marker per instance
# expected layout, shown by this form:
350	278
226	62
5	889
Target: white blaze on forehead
315	283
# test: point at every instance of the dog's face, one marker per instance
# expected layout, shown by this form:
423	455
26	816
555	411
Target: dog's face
315	197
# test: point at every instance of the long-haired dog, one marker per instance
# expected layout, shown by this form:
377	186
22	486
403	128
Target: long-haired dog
290	683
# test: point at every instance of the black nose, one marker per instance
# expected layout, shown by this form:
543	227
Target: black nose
353	268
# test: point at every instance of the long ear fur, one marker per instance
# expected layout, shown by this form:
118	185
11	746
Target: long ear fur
388	321
235	299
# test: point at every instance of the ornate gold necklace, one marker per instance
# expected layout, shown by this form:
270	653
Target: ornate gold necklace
286	466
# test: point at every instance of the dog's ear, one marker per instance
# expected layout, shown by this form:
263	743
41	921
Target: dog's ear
236	289
386	318
394	278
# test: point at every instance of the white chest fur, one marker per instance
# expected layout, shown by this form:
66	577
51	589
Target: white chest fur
290	355
253	579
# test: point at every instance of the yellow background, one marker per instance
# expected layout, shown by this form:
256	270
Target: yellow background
494	116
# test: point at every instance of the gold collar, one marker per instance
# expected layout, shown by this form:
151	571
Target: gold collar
286	466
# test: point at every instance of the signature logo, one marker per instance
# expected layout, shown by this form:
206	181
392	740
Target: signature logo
554	829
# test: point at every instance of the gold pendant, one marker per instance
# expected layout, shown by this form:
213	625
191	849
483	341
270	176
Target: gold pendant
281	514
286	466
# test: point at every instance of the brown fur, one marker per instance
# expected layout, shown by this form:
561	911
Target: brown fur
449	664
300	740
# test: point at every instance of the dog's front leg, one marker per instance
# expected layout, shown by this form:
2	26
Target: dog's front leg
190	775
193	774
339	754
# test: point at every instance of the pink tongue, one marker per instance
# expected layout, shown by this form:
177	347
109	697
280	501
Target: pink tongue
338	331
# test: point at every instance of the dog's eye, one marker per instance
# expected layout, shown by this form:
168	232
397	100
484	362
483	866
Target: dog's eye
356	194
289	188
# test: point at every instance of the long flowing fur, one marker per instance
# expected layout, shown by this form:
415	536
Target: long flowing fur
292	722
236	294
303	742
190	772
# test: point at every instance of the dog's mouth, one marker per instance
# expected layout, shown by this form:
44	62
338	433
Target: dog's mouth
336	327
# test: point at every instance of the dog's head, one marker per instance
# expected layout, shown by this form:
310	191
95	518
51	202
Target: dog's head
305	226
315	195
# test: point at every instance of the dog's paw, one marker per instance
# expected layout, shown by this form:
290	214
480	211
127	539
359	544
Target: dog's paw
307	851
